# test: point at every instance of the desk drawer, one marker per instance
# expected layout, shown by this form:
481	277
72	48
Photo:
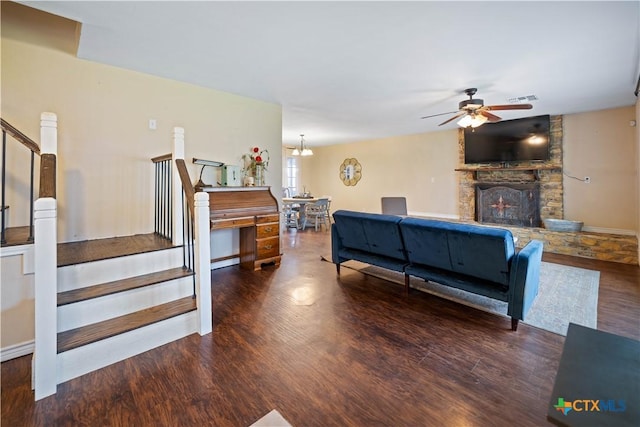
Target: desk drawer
263	219
267	230
267	248
232	223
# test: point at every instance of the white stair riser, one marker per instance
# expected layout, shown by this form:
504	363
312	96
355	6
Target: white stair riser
83	313
82	360
109	270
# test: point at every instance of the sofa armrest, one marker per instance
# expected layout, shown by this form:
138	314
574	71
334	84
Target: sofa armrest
336	245
524	279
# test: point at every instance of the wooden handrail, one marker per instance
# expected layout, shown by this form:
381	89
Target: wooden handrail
21	137
161	158
186	184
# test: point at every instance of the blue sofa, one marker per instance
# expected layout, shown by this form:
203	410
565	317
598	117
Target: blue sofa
371	238
474	258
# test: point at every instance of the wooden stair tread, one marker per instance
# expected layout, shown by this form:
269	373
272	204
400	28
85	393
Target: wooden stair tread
95	291
84	335
16	236
71	253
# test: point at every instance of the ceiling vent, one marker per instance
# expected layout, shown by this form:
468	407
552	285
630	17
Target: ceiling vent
522	99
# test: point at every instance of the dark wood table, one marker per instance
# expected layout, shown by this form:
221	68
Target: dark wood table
598	380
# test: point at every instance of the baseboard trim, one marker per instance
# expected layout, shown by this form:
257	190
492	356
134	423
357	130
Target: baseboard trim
434	215
225	263
16	250
17	350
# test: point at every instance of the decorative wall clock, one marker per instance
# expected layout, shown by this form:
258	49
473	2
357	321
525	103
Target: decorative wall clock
350	171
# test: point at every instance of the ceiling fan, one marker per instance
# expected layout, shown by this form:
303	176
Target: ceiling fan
474	113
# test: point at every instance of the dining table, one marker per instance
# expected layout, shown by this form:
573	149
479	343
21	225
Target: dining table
301	201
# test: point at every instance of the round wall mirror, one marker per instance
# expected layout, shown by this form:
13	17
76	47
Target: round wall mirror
350	172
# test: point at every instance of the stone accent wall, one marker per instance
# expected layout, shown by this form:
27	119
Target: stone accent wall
605	247
551	187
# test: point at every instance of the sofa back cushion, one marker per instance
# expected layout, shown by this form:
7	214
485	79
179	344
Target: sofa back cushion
483	252
426	242
369	232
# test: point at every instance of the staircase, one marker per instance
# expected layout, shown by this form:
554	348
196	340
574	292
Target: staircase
114	301
101	301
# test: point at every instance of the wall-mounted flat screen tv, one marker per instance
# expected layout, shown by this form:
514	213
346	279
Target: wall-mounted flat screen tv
516	140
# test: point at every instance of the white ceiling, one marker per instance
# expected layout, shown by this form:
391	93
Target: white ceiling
351	71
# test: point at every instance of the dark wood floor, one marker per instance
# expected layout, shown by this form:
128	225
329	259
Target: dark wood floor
324	352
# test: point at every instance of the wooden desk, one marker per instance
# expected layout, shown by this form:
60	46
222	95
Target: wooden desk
254	211
597	366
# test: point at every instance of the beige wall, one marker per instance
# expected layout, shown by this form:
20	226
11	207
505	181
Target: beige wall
105	176
419	167
601	145
104	143
598	144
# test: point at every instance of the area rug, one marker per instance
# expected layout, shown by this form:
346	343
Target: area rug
565	295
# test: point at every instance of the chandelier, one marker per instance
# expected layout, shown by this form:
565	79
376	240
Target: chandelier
303	151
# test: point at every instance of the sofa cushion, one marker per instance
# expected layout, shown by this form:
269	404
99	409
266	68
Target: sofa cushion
374	233
426	242
483	252
472	250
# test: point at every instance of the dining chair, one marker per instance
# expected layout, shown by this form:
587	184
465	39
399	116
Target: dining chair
329	219
394	205
290	212
318	212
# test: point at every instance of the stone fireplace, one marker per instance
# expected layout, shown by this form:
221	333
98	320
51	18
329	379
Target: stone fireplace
508	204
503	187
544	179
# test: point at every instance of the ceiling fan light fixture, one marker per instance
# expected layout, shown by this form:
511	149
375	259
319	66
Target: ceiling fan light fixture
474	120
295	152
465	121
478	120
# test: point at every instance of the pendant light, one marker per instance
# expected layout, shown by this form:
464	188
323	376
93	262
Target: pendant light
303	151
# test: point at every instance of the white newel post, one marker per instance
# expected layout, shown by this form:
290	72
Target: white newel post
48	133
45	274
178	212
45	377
203	263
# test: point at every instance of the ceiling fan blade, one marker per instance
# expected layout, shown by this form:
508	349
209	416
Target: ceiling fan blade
441	114
491	117
460	114
508	107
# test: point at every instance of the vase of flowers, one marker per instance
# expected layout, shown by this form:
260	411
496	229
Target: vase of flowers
255	164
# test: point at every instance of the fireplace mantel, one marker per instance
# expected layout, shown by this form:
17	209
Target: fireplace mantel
533	169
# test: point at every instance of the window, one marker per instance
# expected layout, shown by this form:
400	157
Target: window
292	171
